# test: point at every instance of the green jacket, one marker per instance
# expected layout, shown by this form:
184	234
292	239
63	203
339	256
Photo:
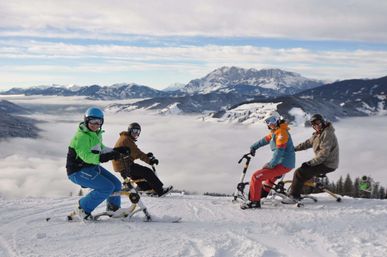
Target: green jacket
84	149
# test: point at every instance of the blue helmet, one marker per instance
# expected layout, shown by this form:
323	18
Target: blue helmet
93	113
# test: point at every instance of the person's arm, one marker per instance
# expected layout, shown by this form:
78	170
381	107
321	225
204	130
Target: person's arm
304	145
261	142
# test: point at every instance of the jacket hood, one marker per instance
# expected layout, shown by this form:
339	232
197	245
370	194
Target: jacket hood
126	134
329	127
282	126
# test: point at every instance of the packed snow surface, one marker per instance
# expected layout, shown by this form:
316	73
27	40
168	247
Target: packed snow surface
211	226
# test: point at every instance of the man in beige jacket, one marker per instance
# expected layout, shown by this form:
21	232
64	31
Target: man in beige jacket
326	149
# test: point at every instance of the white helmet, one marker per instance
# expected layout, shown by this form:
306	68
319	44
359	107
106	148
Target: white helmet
272	118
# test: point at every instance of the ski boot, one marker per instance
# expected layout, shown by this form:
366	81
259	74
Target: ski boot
165	191
251	205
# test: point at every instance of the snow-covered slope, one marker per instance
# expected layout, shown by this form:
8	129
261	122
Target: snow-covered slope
246	113
211	226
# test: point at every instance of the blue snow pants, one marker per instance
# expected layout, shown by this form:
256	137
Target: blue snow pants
104	184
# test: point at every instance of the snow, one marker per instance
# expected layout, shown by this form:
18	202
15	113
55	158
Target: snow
247	114
171	109
211	226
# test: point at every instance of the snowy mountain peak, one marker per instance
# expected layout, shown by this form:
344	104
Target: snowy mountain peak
174	87
227	79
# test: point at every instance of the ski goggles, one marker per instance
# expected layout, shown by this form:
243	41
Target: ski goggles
271	120
316	123
96	122
135	132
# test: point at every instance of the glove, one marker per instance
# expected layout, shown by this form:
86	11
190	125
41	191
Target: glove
122	150
305	165
105	157
125	174
153	161
252	151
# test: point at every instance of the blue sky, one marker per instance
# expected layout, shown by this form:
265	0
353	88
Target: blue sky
158	43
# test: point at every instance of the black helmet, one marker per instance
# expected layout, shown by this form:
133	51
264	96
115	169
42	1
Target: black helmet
134	129
364	178
316	117
134	125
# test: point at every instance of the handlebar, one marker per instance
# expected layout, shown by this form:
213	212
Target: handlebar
245	156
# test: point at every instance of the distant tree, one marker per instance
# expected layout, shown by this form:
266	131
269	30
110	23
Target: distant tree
375	191
332	187
80	193
382	193
340	186
348	186
71	193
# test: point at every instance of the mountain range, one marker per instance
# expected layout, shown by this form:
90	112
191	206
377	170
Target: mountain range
116	91
14	125
267	82
224	89
348	98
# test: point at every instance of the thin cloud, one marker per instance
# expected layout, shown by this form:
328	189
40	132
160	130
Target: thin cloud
333	20
69	63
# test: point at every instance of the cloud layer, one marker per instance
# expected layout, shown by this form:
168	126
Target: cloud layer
195	156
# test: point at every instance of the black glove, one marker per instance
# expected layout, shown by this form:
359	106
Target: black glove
105	157
252	151
125	174
305	165
153	161
122	150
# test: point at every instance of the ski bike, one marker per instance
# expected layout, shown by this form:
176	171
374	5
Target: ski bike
132	190
279	192
276	194
316	184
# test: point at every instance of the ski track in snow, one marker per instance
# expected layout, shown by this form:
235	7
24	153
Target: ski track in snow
211	227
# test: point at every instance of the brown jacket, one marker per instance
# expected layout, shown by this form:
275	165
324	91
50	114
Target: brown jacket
135	152
325	147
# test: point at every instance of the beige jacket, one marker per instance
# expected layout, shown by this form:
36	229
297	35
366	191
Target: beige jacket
135	152
325	147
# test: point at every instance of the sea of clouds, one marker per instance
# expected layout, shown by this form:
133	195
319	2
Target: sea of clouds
194	155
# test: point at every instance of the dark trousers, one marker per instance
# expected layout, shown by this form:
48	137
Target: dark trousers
141	172
301	175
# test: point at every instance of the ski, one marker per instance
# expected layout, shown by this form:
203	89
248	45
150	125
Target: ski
124	214
163	219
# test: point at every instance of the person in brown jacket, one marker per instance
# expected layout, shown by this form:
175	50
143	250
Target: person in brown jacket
326	149
126	166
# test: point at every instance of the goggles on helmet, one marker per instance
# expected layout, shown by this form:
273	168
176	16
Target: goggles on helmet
271	120
95	122
316	122
135	132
